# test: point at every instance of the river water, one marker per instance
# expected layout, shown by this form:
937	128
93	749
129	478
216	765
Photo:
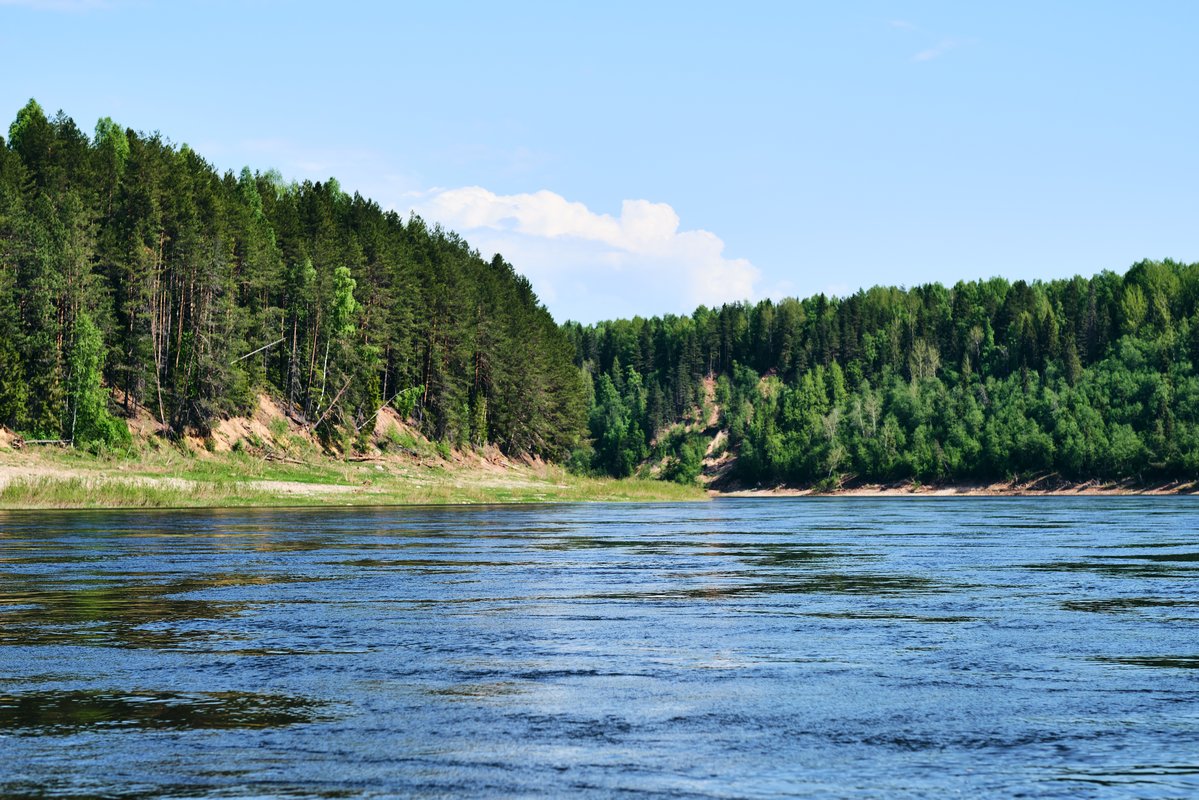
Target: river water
775	647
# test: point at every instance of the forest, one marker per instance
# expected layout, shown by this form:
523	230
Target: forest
134	275
1086	378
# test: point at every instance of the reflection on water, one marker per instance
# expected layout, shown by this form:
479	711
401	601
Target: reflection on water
1165	662
818	583
1116	605
1107	565
759	648
41	713
104	611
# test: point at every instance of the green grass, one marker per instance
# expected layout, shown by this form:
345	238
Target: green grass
53	492
168	478
236	467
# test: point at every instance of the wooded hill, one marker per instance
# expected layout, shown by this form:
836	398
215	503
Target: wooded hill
132	274
987	380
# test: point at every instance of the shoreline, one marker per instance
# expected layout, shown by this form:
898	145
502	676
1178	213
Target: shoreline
164	479
167	479
1041	487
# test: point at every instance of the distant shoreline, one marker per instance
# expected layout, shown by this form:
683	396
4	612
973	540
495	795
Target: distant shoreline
1042	487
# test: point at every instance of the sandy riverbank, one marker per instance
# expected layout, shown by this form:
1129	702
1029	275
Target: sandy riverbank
1040	487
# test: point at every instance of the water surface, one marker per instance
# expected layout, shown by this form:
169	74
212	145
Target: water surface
852	647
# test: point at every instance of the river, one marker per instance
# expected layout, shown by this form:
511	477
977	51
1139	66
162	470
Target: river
837	647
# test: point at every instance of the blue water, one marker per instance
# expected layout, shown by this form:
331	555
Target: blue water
900	647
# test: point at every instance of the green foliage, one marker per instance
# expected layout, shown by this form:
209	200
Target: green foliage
277	427
111	140
206	289
478	421
405	402
619	440
982	381
344	307
684	465
91	423
30	122
581	460
392	437
132	269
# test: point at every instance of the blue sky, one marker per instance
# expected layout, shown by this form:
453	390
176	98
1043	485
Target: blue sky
641	158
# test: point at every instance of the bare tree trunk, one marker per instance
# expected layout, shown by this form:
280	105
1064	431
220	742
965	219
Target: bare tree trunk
324	373
162	419
291	369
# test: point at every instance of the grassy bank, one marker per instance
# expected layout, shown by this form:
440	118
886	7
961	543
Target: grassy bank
172	478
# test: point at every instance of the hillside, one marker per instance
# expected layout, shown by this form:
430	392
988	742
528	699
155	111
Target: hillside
1059	382
269	458
145	297
135	276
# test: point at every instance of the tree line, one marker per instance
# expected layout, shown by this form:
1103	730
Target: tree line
135	275
987	380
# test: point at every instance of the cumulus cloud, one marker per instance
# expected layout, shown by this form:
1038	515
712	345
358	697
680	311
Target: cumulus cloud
588	265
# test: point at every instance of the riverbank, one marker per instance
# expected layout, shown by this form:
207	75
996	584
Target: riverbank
171	477
182	477
1042	486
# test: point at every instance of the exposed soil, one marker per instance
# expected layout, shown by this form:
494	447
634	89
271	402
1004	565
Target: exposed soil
270	433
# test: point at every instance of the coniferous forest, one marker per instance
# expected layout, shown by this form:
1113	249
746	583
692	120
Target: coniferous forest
134	275
987	380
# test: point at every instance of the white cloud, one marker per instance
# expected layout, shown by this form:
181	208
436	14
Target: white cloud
590	266
941	48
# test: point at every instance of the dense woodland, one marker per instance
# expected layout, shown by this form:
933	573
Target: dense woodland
134	275
1086	378
135	278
